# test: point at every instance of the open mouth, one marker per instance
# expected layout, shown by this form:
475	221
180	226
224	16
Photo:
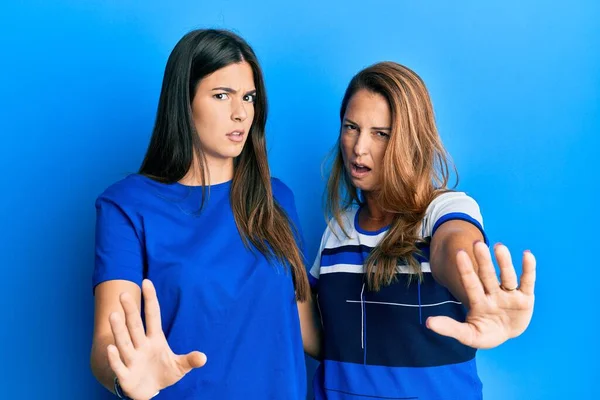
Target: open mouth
359	170
236	136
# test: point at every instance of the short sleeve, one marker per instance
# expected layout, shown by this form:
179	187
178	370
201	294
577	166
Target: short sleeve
118	248
285	198
295	220
452	206
315	270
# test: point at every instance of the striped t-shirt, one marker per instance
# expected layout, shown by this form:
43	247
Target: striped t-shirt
376	344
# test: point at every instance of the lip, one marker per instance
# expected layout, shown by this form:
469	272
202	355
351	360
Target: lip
358	174
234	137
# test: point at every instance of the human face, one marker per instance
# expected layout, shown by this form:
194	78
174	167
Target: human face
223	110
364	137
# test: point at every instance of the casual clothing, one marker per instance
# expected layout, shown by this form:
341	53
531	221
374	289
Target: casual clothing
215	295
376	344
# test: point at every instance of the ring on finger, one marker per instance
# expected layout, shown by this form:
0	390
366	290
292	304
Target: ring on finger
507	289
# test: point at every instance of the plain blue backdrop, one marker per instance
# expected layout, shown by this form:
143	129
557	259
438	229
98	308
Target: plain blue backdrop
515	86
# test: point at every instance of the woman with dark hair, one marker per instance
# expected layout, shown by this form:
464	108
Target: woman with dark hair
405	282
206	231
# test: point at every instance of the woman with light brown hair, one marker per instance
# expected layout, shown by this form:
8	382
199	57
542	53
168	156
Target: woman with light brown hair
404	279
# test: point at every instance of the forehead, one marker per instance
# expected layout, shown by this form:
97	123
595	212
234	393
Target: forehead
368	107
235	76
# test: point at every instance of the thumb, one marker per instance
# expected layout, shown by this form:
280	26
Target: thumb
446	326
192	360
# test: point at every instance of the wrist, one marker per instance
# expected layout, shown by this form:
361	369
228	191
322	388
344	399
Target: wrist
119	390
121	394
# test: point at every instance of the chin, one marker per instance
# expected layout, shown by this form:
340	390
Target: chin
360	184
232	152
365	188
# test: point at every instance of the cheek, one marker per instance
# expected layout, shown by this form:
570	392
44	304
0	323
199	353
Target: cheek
377	155
346	145
250	116
211	120
201	114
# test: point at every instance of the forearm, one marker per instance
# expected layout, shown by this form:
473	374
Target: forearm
443	259
107	301
99	362
310	324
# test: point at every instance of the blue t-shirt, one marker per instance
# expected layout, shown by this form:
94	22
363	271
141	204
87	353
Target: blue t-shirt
376	344
216	296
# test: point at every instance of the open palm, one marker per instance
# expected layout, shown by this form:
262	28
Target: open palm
142	359
498	311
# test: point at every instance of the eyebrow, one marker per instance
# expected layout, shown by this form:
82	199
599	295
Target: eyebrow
233	91
373	127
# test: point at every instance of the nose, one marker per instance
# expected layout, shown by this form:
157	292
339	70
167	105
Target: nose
238	112
361	145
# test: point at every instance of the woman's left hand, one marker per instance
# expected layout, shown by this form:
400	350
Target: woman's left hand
498	311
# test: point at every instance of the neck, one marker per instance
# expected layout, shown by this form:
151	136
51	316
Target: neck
215	171
374	212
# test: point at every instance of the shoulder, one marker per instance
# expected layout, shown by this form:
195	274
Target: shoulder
127	192
336	234
282	193
280	188
452	202
451	206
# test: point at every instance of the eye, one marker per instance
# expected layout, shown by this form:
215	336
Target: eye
382	134
349	127
221	96
250	98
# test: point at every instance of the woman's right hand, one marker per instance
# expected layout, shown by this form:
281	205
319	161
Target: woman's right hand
142	360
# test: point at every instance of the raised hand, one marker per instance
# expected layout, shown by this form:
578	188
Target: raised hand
498	311
142	360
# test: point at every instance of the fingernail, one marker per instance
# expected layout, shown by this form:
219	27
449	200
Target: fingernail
497	244
527	251
477	241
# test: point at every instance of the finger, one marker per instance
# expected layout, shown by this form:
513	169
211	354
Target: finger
508	276
122	338
133	319
115	362
151	309
192	360
469	278
447	326
486	270
529	272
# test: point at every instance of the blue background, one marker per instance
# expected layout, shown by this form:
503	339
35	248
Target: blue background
516	89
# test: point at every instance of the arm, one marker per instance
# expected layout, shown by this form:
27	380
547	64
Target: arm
140	358
122	347
497	310
448	239
310	324
106	302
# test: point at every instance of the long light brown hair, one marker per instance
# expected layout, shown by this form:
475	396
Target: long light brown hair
174	145
415	169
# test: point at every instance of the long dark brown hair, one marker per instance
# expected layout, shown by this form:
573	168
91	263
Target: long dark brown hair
415	169
262	222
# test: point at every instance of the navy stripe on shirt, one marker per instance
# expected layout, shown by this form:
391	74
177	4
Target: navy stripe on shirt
405	341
